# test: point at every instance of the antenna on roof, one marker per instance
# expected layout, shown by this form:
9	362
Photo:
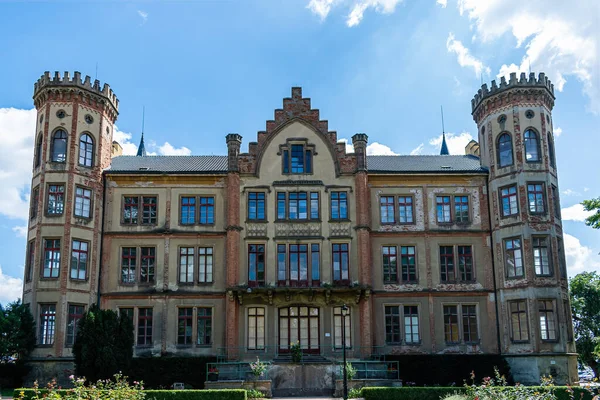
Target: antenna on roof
444	150
143	118
442	110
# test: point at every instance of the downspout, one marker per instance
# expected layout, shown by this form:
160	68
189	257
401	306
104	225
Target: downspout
101	238
487	188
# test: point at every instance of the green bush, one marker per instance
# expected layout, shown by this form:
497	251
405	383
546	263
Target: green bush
225	394
11	374
435	393
162	372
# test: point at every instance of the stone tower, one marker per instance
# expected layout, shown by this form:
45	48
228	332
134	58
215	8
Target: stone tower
514	121
73	145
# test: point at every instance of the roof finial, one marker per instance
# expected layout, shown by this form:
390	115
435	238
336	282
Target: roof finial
141	148
444	151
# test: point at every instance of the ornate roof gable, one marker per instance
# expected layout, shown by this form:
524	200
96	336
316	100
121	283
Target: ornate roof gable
296	109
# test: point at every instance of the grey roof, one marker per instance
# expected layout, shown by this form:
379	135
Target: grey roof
424	164
218	164
169	164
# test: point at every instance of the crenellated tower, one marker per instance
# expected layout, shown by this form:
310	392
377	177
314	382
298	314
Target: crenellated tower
514	121
73	145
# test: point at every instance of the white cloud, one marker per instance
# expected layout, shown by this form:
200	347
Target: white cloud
322	8
417	150
152	148
21	231
144	16
373	149
586	189
442	3
580	258
557	132
575	213
456	143
17	129
558	38
464	57
168	150
570	192
12	288
124	139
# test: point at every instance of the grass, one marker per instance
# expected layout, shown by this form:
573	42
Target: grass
6	392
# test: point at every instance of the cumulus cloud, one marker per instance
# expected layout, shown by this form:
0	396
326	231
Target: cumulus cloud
570	192
464	56
143	15
373	149
575	213
168	150
558	38
418	150
322	8
456	144
580	258
12	288
442	3
20	231
152	148
557	132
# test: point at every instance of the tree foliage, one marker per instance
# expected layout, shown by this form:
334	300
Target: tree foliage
103	345
594	219
17	331
585	303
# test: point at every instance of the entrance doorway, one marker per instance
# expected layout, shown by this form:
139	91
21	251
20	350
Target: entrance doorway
299	324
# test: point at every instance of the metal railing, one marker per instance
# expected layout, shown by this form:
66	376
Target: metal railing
373	353
381	370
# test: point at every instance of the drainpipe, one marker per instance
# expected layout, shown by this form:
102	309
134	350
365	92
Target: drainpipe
496	294
101	237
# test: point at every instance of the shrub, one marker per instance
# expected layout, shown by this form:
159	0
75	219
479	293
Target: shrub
223	394
254	394
355	393
162	372
11	374
258	368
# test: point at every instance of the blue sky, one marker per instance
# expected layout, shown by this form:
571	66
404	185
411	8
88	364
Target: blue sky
203	69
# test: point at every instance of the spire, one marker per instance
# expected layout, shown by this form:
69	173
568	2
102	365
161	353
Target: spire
444	151
141	149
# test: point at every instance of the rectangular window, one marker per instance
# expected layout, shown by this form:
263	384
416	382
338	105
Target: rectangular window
47	324
405	210
518	321
281	205
51	258
390	264
339	205
186	265
205	264
188	210
256	328
340	263
293	263
461	209
541	255
207	210
83	202
298	205
75	315
411	324
130	210
386	208
509	200
144	329
465	263
443	209
30	260
297	160
556	201
469	322
408	263
298	259
128	312
342	328
315	264
148	261
33	204
314	205
256	206
79	259
128	264
451	335
513	258
204	320
149	215
547	320
392	325
185	326
256	265
56	199
281	264
536	198
447	264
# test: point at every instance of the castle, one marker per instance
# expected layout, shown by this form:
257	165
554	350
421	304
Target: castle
248	253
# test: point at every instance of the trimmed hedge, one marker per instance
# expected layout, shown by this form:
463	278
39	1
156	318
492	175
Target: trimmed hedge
12	374
221	394
435	393
162	372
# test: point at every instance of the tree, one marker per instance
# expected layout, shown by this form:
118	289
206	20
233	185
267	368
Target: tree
17	332
585	304
594	219
103	344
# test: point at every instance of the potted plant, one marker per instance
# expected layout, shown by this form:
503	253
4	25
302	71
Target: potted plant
392	372
213	374
296	352
258	368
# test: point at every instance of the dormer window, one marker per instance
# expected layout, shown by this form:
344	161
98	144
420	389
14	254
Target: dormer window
297	158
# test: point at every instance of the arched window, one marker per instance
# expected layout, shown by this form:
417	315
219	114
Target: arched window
86	150
532	146
551	151
38	151
505	155
59	146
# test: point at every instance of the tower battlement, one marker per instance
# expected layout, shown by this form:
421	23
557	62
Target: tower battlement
541	82
66	80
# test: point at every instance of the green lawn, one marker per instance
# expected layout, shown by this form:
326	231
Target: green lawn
6	392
